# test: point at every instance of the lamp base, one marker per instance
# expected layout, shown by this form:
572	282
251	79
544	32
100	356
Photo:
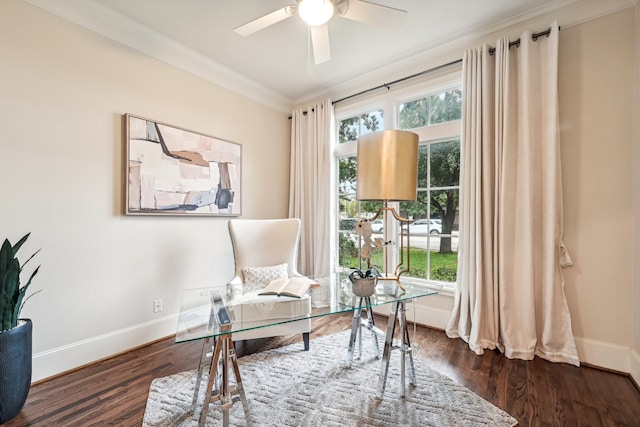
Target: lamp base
402	267
391	278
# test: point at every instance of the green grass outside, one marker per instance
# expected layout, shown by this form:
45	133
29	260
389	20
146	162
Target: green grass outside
443	266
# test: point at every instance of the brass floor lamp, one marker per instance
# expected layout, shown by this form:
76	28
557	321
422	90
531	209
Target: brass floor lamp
388	172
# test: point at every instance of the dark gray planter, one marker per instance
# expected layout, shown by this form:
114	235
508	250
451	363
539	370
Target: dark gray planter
15	369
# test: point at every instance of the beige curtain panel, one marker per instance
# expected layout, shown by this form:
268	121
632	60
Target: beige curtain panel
310	185
510	292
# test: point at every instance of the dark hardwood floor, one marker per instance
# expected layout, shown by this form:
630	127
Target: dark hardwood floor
536	393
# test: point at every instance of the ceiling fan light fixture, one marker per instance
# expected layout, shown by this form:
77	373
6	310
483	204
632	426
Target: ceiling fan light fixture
316	12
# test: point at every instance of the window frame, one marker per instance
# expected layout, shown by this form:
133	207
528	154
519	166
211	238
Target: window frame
389	102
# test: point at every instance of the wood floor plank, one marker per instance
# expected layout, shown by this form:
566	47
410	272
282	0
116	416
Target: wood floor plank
537	393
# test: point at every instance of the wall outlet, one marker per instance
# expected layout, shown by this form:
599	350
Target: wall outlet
157	305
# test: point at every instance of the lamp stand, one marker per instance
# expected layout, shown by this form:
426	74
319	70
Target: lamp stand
401	268
388	171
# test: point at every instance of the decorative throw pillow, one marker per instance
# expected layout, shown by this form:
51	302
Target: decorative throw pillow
265	274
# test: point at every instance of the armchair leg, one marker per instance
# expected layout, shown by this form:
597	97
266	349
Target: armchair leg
305	338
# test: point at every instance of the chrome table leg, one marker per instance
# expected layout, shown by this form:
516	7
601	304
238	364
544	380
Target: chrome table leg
356	328
370	325
225	394
397	313
207	353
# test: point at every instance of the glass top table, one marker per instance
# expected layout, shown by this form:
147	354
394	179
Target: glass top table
201	307
215	313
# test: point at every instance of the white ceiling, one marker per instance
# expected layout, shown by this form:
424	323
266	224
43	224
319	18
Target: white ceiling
198	35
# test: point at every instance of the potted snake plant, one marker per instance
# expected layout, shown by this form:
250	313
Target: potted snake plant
15	333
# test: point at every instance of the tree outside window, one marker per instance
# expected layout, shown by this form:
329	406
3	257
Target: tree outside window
438	188
431	110
434	253
352	128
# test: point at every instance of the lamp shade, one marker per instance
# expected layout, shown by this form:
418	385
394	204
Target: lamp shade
387	166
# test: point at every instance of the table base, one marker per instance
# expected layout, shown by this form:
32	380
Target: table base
218	387
358	324
398	310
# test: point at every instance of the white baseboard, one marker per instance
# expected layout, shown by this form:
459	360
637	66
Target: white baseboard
433	317
61	359
604	355
635	366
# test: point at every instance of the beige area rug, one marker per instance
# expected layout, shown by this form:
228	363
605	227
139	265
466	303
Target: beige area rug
291	387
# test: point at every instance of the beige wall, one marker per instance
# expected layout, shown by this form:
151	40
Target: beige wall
63	91
597	115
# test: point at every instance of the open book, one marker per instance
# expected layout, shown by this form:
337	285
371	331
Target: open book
292	287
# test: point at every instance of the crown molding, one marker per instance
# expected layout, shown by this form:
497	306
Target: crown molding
568	13
115	26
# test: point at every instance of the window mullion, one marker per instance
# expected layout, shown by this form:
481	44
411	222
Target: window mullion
434	130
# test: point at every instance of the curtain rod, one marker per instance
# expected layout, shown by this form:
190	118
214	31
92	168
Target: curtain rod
516	43
534	37
388	85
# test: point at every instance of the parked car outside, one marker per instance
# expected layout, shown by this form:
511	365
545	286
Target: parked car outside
348	224
424	227
377	225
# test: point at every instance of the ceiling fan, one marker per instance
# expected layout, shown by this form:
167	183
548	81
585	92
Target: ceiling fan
317	14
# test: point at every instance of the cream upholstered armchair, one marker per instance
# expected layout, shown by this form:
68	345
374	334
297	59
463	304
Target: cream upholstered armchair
266	249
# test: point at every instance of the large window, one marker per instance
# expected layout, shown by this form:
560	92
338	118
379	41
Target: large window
434	231
441	108
349	209
351	128
435	212
435	117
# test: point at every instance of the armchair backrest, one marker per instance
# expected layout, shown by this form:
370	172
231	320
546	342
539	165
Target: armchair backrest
264	242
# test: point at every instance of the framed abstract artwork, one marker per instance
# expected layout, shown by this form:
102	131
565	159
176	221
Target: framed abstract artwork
175	171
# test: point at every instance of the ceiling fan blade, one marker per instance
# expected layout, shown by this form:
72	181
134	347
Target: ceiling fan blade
374	14
264	21
320	43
